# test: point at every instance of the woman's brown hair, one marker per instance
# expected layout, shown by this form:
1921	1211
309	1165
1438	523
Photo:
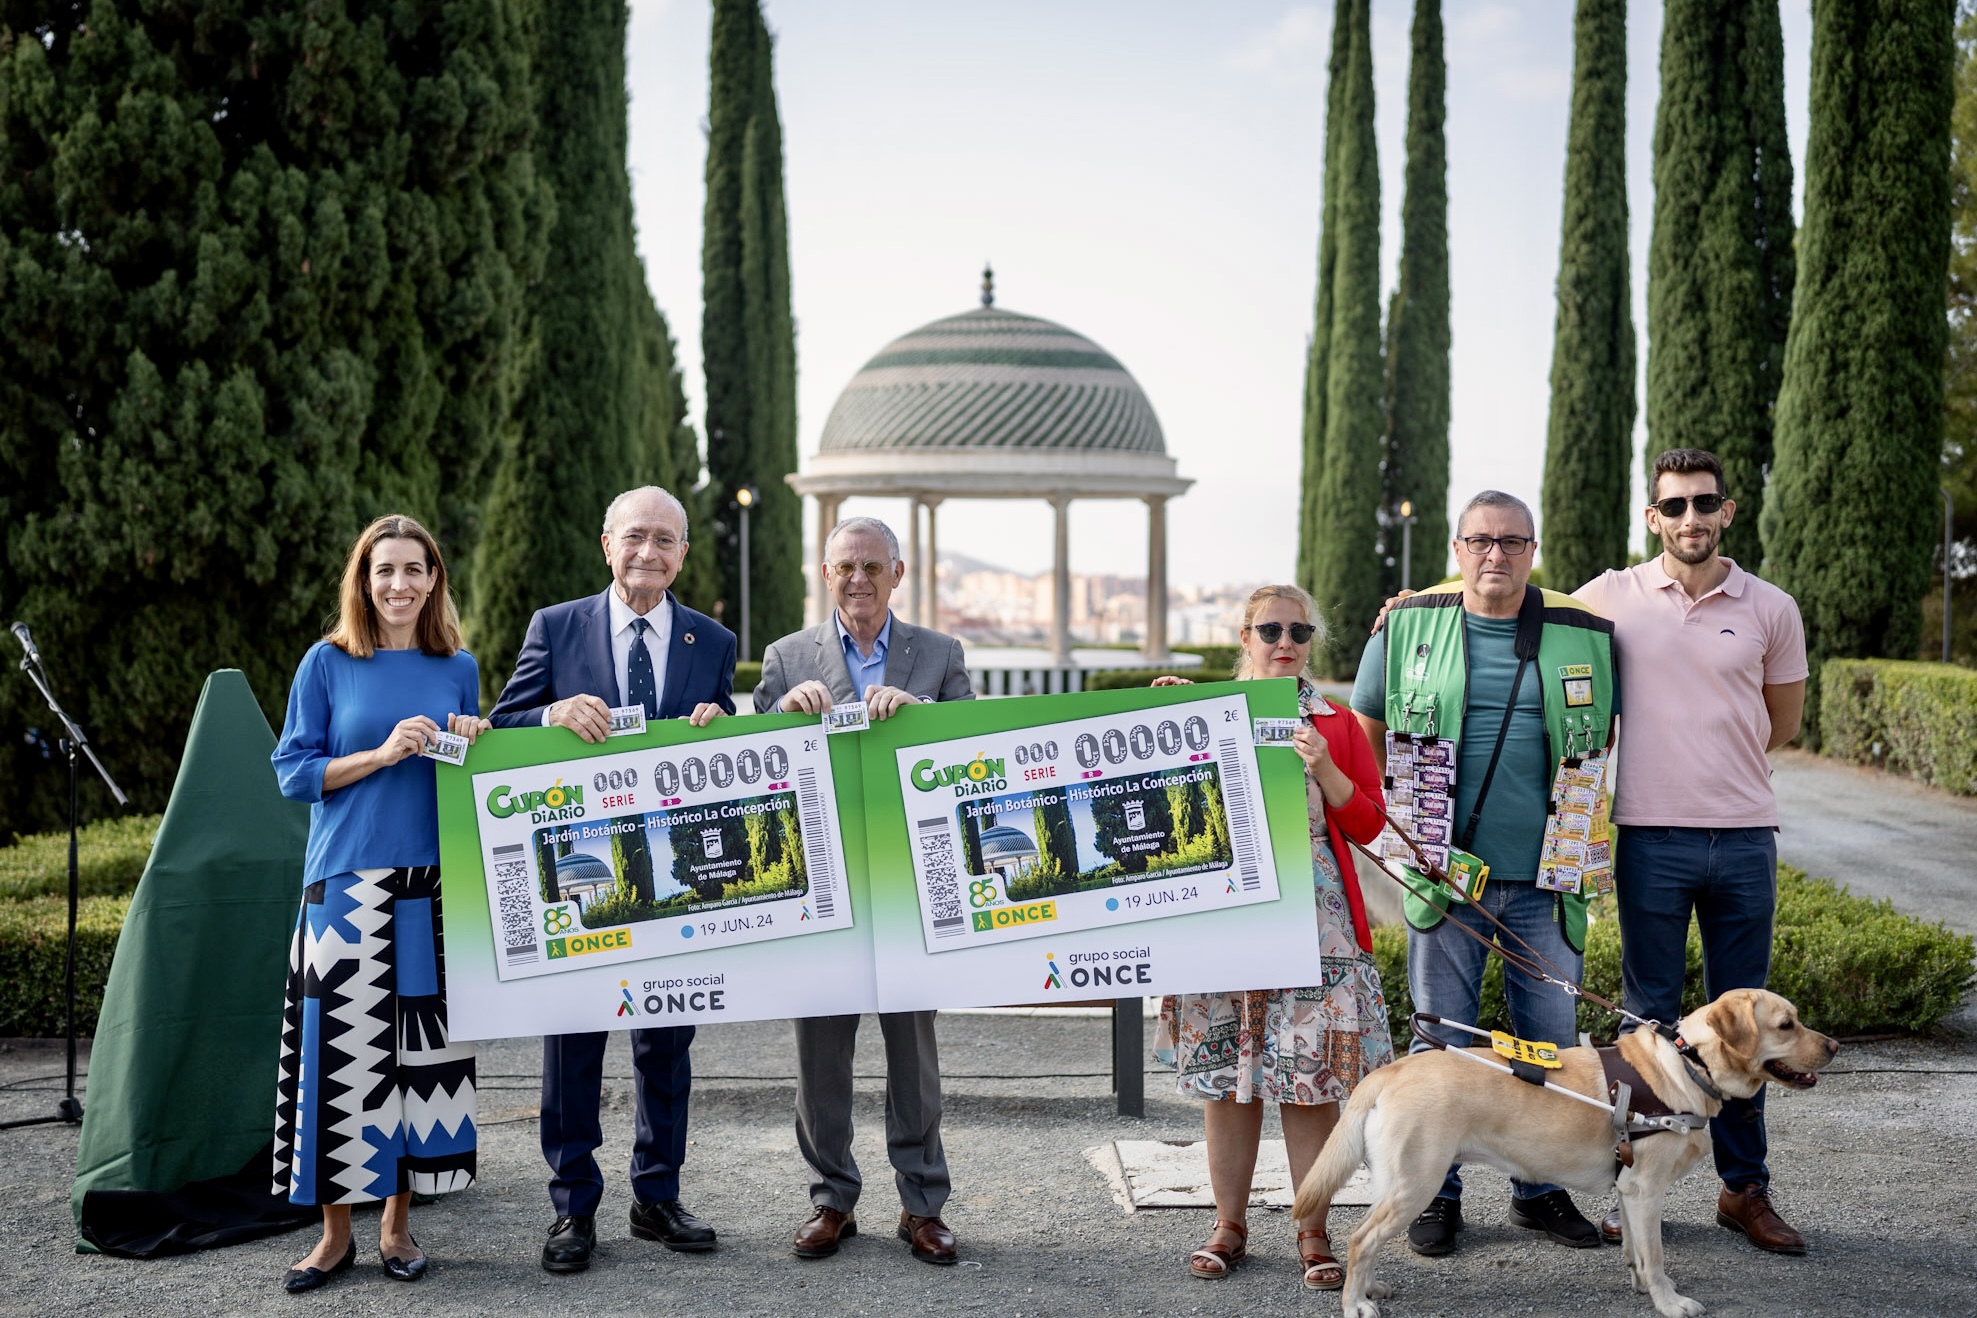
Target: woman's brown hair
357	632
1263	595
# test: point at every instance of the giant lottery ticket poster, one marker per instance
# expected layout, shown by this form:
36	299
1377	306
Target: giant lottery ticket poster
676	876
1039	849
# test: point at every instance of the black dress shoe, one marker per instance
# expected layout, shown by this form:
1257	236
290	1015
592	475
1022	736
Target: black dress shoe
1553	1213
410	1269
570	1241
1433	1233
307	1279
669	1223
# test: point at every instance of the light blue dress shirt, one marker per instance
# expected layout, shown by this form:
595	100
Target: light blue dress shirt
864	672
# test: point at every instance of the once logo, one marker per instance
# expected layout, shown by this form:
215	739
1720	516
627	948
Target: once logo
608	940
1011	917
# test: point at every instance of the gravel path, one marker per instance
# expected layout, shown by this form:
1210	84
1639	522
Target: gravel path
1874	1167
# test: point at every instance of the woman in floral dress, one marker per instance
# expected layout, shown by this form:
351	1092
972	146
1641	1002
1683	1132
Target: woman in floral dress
1304	1049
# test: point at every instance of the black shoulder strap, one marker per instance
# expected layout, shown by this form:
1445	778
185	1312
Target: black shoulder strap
1530	623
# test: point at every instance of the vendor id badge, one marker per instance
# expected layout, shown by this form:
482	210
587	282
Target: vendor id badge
656	852
1087	824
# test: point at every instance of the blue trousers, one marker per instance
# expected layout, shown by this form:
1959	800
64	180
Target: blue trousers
572	1083
1445	975
1729	878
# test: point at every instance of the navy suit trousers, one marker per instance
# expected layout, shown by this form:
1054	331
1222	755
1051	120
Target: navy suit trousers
572	1082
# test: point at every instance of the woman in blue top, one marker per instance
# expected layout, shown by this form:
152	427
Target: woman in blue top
374	1101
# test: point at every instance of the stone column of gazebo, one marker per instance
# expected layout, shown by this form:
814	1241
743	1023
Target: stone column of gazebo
994	405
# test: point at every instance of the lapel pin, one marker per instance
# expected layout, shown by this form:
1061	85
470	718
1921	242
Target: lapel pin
688	638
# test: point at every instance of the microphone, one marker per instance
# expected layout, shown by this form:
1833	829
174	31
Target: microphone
27	642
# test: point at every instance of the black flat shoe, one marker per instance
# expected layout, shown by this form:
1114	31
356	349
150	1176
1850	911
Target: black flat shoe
570	1242
404	1269
307	1279
669	1223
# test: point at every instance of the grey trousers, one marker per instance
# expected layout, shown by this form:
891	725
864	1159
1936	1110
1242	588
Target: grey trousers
824	1048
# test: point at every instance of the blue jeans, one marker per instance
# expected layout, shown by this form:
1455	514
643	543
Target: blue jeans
1445	975
1729	878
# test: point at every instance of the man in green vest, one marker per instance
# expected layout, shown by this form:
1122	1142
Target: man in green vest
1519	678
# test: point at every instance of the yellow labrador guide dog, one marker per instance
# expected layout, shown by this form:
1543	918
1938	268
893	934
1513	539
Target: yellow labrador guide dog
1409	1121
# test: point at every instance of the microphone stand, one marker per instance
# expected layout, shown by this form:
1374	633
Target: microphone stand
69	1110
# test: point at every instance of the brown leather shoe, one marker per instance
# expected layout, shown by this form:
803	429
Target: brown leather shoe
818	1237
1749	1210
931	1240
1609	1228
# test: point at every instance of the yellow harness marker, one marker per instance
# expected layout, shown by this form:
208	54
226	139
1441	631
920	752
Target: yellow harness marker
1523	1050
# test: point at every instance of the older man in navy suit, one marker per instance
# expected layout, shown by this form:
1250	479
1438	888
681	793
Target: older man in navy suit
634	644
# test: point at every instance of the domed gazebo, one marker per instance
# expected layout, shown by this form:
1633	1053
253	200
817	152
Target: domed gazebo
991	404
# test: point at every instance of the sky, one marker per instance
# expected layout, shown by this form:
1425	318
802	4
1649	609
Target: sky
1149	175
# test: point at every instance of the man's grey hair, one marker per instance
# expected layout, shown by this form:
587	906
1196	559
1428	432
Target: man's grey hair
1496	499
862	524
618	504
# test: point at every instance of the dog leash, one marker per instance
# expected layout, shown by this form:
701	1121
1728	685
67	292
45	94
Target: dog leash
1535	964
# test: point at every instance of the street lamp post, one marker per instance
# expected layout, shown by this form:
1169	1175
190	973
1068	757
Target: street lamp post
744	499
1407	520
1949	529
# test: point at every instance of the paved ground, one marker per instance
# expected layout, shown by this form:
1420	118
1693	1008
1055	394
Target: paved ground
1875	1166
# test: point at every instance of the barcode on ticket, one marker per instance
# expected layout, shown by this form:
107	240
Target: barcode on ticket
1242	832
943	885
511	877
816	844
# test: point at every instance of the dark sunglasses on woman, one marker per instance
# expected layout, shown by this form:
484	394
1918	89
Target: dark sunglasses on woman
1675	505
1271	632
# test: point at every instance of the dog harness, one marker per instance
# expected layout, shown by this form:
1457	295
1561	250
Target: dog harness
1634	1107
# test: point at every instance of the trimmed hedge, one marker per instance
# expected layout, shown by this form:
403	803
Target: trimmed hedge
1912	718
1852	965
110	856
748	676
33	951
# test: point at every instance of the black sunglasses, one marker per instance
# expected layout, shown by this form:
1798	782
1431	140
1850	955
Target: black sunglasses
1675	505
1272	632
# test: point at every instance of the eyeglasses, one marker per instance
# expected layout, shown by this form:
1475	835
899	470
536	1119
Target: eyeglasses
637	540
1272	632
1512	545
872	570
1675	505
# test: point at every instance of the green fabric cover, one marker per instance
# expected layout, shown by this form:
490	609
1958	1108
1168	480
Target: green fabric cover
182	1072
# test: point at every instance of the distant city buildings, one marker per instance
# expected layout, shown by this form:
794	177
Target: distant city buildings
990	605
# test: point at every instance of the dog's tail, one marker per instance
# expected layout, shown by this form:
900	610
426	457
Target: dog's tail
1343	1152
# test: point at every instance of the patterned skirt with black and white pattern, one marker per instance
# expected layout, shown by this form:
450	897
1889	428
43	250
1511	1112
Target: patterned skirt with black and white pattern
373	1098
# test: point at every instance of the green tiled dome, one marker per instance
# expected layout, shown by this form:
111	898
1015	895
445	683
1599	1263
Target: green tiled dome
993	379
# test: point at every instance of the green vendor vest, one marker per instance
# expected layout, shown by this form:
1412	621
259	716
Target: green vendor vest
1428	688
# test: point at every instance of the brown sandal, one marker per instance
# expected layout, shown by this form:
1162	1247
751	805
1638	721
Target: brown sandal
1321	1271
1212	1262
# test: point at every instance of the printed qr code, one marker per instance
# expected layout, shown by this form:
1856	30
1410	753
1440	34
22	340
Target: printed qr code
511	877
942	883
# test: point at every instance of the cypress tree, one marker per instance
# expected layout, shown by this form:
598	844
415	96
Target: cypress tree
1346	534
1317	365
1589	440
1850	521
261	272
1417	395
748	339
1720	261
577	441
667	451
1960	362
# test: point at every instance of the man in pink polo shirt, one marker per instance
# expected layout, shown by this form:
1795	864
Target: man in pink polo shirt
1712	660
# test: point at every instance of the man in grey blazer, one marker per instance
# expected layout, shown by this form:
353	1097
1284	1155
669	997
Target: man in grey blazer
863	652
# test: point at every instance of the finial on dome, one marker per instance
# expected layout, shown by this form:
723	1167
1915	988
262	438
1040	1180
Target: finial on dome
988	285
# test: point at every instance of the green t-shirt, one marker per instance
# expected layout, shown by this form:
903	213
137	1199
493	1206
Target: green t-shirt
1511	832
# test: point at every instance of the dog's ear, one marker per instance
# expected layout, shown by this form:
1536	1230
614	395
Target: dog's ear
1733	1017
